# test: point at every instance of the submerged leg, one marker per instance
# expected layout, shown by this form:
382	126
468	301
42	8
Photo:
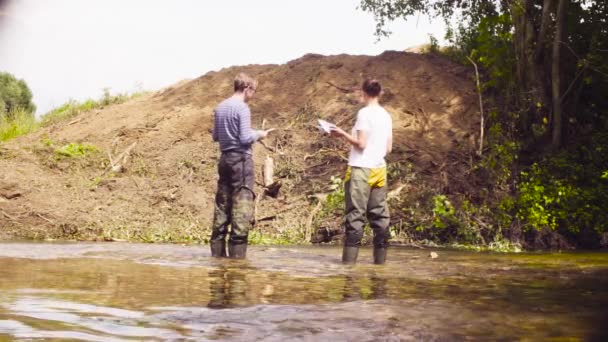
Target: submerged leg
379	219
356	193
221	220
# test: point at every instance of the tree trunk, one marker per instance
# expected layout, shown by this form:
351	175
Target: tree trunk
558	117
518	15
481	116
544	29
542	79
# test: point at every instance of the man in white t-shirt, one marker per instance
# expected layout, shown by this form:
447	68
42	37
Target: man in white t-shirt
365	187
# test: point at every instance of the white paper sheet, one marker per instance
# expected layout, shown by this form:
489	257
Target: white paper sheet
325	127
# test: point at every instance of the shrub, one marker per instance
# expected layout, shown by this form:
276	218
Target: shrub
15	95
18	122
567	191
72	150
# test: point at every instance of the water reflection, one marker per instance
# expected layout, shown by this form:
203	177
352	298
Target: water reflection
227	288
169	292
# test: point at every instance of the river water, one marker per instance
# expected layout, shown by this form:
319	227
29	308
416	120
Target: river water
126	292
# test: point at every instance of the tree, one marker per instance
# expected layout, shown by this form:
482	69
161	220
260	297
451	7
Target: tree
557	45
14	94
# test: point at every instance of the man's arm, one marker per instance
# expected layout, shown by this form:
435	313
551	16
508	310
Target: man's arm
214	132
359	142
247	136
389	142
361	127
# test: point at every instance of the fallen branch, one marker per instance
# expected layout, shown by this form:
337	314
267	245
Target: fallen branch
8	216
326	150
10	195
75	121
279	212
117	165
395	193
44	218
271	149
344	90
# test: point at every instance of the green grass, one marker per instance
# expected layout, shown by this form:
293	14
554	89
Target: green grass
66	111
73	108
16	123
73	150
21	122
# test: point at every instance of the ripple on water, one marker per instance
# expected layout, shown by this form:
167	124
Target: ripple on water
104	292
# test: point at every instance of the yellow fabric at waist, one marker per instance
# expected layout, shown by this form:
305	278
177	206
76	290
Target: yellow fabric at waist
376	179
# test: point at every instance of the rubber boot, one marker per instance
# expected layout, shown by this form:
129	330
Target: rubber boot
349	255
237	251
218	248
379	256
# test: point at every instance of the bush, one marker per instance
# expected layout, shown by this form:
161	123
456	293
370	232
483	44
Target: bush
567	191
16	123
15	95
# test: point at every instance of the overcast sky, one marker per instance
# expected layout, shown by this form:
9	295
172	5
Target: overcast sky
74	48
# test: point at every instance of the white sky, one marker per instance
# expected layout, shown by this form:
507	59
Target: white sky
74	48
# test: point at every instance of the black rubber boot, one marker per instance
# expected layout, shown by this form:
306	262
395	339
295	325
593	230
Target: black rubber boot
379	256
237	251
218	248
349	255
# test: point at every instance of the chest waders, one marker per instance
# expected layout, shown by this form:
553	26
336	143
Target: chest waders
234	205
365	198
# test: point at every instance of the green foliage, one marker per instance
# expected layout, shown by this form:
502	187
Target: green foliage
174	231
17	122
256	237
21	120
332	206
14	95
385	11
16	108
493	48
73	108
443	211
403	171
73	150
334	203
434	44
500	157
567	190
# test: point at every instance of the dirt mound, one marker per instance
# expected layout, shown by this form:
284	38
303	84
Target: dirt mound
165	187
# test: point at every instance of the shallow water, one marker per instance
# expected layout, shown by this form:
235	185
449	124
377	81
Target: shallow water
122	292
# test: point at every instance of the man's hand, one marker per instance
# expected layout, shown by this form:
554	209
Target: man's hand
337	132
264	133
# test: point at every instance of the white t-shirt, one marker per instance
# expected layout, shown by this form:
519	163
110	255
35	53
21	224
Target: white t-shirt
378	125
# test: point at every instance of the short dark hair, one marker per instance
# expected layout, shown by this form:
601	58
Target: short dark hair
243	81
371	87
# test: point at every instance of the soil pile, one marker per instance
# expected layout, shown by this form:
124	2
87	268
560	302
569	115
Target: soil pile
146	169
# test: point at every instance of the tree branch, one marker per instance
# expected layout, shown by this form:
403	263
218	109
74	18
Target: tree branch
482	124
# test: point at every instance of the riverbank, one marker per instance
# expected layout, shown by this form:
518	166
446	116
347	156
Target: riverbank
143	168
